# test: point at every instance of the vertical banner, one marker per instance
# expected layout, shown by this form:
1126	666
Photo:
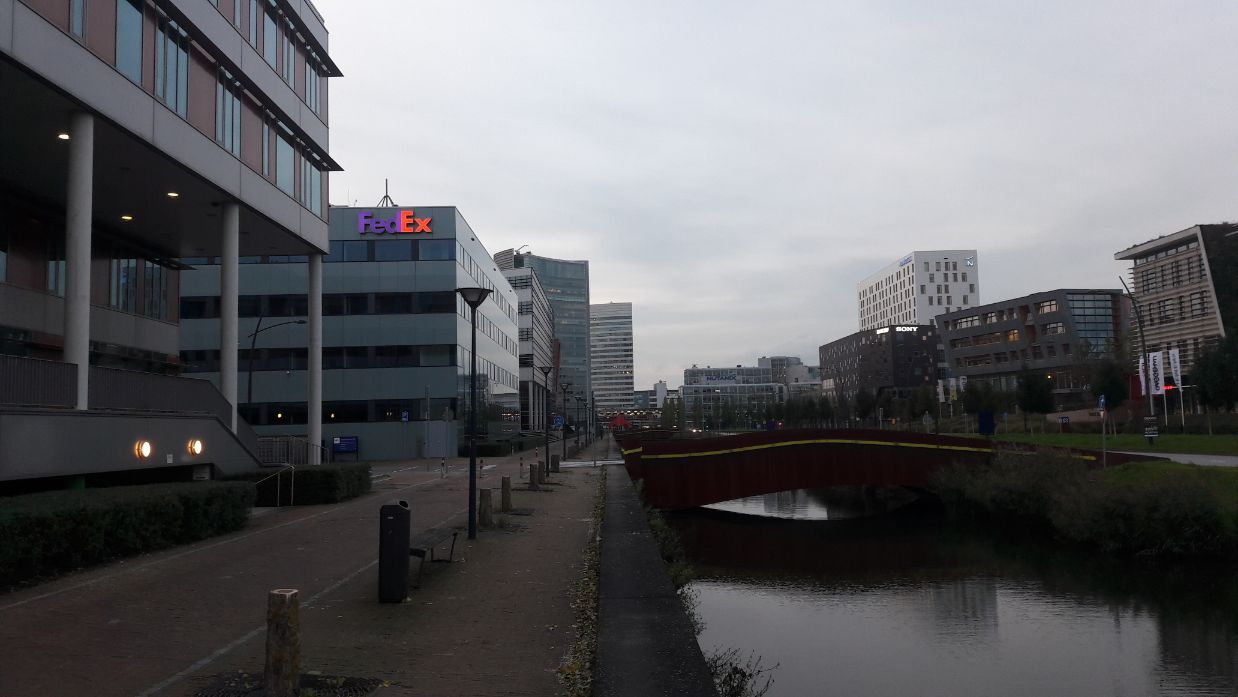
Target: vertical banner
1156	375
962	383
941	392
954	393
1175	367
1142	376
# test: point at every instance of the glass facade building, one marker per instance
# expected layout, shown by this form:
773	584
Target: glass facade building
611	356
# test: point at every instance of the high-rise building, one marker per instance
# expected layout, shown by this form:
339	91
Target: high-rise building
918	287
537	338
1186	285
397	338
567	288
611	356
133	134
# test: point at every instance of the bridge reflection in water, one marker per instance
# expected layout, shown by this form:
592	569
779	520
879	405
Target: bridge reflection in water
906	603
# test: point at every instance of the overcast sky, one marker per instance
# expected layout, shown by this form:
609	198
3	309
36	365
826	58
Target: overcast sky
735	168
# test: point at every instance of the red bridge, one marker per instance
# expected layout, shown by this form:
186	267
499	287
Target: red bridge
694	472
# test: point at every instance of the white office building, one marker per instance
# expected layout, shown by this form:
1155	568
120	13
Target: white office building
536	322
611	356
918	287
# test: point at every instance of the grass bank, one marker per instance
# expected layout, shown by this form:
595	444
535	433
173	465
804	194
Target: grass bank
1138	508
1168	443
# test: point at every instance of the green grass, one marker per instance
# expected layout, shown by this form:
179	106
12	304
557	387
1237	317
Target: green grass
1221	482
1168	443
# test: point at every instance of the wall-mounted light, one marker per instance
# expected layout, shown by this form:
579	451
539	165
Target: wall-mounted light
173	194
194	446
62	136
126	218
142	449
279	415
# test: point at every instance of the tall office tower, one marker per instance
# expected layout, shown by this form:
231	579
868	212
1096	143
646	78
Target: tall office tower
918	287
133	134
566	284
536	322
610	349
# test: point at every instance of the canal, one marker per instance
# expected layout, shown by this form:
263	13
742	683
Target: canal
849	598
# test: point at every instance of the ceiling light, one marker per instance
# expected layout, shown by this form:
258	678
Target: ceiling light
62	136
126	218
173	194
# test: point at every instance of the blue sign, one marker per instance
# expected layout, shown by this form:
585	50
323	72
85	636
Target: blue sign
1102	403
558	422
344	444
403	416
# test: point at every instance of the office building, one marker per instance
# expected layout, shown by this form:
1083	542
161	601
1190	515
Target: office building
897	359
567	288
778	366
611	357
802	381
133	134
1055	332
537	348
396	336
918	287
713	396
1186	285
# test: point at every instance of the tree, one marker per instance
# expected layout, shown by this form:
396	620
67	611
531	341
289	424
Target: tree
865	402
1035	395
825	410
1216	374
1109	379
726	415
698	413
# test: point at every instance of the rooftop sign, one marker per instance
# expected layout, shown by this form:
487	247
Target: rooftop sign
404	222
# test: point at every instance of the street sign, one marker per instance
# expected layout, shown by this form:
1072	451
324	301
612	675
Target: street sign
1063	420
1101	406
558	422
403	416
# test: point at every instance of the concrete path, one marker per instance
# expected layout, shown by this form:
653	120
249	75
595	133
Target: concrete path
1193	458
496	622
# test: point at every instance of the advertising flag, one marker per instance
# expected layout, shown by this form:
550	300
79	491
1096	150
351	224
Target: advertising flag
1142	375
941	392
963	383
1156	375
1175	366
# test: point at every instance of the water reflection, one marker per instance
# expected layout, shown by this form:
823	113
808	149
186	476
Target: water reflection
906	604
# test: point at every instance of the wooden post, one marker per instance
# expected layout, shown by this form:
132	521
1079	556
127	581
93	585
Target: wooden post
485	518
283	660
505	502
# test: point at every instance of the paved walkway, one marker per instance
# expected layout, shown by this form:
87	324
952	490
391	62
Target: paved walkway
498	621
1193	458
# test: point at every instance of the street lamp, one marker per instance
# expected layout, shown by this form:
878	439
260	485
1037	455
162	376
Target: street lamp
579	403
253	341
565	386
474	297
546	409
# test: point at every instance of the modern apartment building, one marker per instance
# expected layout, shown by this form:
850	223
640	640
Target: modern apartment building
396	350
1186	285
537	348
898	359
611	356
134	133
567	288
1055	332
918	287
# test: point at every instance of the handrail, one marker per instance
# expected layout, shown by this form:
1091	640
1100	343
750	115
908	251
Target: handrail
292	483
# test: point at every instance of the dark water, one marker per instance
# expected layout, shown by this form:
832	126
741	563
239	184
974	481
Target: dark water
907	604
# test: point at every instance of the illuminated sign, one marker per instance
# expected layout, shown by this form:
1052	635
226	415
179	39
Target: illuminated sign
905	261
969	261
885	330
404	222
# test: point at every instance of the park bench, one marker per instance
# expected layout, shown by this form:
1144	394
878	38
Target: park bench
424	543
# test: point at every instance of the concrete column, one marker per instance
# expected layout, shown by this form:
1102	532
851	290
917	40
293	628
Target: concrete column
282	676
79	205
315	357
229	289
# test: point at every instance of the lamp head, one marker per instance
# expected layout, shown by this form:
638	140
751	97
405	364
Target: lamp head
474	296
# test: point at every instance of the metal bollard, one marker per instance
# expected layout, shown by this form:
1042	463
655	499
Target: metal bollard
282	676
394	532
505	500
485	516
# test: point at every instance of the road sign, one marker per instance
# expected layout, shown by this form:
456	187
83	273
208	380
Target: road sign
403	416
1101	406
558	422
1063	420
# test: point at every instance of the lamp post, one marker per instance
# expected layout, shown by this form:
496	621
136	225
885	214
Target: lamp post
579	402
565	386
253	341
474	297
546	409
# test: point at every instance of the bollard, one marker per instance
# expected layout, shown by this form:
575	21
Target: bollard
522	465
442	467
554	463
283	664
505	500
394	532
484	516
534	468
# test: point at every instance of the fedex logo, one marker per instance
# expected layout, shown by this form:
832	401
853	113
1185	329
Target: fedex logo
403	222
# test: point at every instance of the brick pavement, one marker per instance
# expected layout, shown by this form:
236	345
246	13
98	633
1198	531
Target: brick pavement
498	621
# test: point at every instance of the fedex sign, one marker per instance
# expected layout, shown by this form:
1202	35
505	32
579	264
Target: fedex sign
403	222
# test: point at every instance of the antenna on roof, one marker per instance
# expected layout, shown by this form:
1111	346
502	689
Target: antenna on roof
385	201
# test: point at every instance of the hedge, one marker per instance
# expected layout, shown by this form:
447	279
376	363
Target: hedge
313	484
57	531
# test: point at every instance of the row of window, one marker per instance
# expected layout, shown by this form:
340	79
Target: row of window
349	411
1037	353
333	358
136	285
1193	244
354	250
333	304
278	48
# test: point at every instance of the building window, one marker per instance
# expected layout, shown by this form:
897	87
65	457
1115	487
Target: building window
77	18
290	55
266	148
171	65
285	170
312	84
964	299
1046	306
1012	335
253	22
270	48
311	185
1054	328
4	256
155	303
55	266
124	285
228	113
129	39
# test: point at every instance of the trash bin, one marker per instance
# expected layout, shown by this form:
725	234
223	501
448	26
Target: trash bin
394	526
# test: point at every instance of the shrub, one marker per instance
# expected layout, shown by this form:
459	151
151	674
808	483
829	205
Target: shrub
57	531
